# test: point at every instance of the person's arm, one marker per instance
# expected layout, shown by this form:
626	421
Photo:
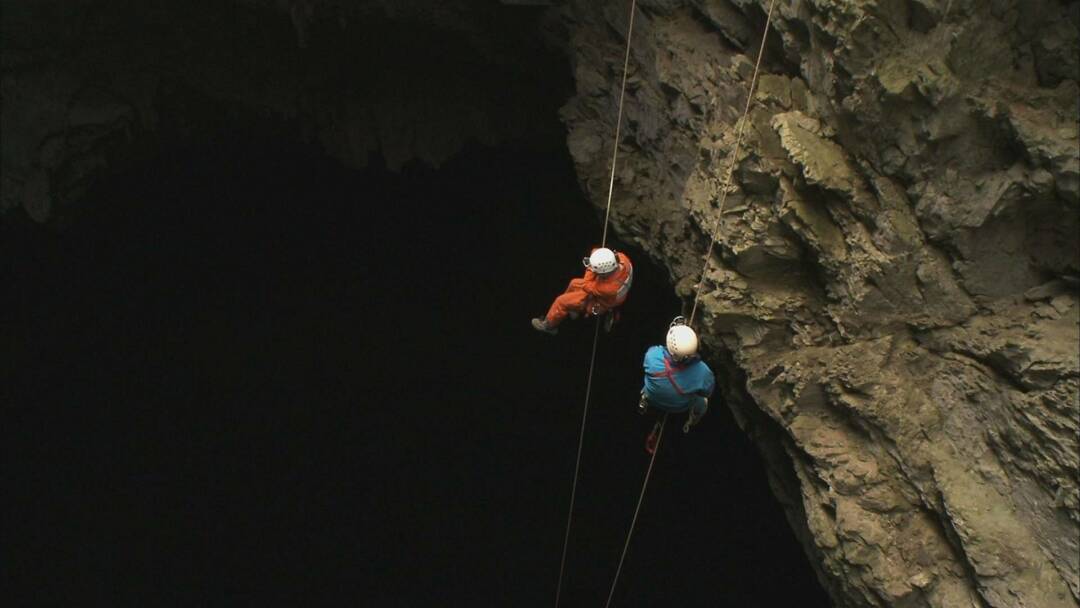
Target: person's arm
708	384
699	407
598	288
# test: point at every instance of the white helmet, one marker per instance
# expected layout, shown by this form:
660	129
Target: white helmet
602	261
681	340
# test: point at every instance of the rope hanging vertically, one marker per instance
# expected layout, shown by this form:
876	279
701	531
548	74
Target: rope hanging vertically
577	463
697	296
618	122
637	510
596	335
738	143
708	257
734	159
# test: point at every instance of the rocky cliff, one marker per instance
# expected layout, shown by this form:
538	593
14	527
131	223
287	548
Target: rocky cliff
894	288
893	297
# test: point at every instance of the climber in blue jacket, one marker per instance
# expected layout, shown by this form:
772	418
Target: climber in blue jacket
676	380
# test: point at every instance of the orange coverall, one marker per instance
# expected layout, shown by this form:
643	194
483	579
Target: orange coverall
593	293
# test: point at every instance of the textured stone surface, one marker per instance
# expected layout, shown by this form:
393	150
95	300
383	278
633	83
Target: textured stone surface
893	300
895	279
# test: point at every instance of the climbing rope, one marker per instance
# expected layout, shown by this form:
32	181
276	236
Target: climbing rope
708	257
577	464
618	122
596	335
734	158
738	144
633	522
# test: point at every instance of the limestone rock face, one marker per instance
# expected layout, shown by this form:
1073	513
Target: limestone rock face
894	289
893	296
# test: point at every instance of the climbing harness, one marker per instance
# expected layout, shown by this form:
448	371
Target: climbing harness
624	289
669	373
596	309
596	334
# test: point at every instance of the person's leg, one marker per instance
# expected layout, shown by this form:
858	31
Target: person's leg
697	410
572	301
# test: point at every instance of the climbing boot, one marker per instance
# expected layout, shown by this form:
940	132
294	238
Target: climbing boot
541	325
643	404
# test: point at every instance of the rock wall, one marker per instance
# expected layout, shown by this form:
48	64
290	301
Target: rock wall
894	290
893	299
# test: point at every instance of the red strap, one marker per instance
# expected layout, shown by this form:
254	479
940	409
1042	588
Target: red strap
669	371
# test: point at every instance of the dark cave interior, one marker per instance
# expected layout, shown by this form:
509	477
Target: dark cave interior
243	371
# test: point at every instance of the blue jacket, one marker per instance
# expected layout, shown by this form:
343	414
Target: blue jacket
676	387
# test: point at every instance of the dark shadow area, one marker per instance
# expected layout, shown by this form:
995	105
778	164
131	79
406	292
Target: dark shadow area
237	372
252	375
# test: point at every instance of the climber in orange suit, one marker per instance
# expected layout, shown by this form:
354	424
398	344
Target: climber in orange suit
608	275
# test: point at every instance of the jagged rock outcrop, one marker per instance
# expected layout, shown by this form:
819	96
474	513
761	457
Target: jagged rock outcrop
894	292
895	284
